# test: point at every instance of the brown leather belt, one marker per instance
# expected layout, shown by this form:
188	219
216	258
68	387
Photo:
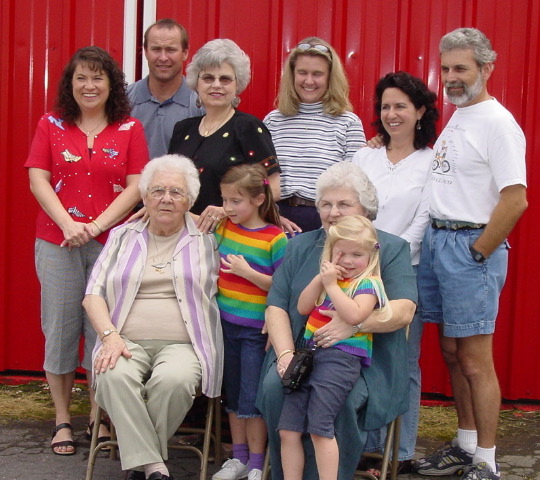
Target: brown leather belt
298	202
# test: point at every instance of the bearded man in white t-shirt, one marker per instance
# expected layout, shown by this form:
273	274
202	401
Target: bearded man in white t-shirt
478	193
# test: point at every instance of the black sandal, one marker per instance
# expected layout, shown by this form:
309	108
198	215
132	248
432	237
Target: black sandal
104	438
63	443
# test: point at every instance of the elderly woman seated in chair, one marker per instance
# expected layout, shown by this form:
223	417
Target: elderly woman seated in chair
151	299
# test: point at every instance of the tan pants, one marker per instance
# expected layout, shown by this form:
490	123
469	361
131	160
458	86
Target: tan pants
147	397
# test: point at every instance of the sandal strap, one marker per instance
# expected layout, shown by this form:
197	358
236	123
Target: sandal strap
60	427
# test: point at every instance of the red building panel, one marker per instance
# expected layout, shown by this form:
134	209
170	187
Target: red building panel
372	38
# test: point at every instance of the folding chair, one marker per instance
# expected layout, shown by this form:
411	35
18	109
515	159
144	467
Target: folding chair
213	416
390	453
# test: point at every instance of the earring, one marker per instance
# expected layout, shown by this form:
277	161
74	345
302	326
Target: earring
236	101
198	102
418	125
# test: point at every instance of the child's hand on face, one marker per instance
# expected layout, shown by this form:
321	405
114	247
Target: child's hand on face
331	272
235	264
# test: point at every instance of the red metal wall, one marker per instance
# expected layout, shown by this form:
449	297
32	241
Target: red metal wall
372	37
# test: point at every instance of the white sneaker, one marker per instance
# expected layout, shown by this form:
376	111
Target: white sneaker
255	474
232	469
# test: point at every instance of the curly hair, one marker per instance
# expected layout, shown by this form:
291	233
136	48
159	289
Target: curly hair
117	107
420	96
336	98
213	54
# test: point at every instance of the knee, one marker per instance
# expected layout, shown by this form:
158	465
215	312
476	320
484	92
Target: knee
288	436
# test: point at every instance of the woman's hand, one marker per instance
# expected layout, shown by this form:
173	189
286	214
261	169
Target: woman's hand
210	218
376	141
289	227
283	363
139	214
334	331
113	346
75	235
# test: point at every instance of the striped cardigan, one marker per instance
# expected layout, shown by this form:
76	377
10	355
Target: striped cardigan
117	277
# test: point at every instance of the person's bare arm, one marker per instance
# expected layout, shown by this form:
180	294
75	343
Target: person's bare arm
113	345
40	185
119	208
337	329
511	205
309	296
278	325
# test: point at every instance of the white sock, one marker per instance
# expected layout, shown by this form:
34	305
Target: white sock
485	455
151	468
467	440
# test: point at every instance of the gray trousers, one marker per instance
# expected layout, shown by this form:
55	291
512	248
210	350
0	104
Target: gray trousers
147	397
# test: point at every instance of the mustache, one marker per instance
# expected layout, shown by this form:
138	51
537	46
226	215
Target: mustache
454	85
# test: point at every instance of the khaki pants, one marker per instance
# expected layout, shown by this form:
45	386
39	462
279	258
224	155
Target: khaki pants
147	397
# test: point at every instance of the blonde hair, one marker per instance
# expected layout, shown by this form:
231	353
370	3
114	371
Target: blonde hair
360	230
336	98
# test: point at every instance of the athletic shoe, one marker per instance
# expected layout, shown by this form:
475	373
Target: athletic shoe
480	471
232	469
446	460
255	474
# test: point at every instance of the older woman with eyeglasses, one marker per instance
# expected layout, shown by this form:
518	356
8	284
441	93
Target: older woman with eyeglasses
151	300
312	128
380	395
224	137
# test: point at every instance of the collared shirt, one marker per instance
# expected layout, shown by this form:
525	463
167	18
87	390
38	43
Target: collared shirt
117	275
158	118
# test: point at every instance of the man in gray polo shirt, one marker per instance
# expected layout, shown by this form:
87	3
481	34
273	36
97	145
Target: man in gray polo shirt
163	98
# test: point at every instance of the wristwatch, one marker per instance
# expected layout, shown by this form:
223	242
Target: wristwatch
107	332
476	255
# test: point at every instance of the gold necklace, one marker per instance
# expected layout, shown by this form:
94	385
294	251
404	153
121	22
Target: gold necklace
90	132
209	131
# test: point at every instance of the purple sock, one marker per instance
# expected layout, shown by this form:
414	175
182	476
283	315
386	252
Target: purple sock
241	452
256	460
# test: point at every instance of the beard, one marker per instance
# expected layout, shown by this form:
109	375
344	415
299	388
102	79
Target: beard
469	93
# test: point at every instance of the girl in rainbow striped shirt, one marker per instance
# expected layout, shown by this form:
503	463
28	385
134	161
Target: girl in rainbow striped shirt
251	245
349	282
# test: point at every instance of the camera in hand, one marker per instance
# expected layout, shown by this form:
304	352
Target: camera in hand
298	370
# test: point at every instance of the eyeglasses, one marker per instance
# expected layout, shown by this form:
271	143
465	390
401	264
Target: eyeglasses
342	207
316	46
223	79
159	192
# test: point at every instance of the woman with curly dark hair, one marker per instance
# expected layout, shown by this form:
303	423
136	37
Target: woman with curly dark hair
84	166
406	116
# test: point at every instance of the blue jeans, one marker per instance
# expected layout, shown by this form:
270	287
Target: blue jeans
244	350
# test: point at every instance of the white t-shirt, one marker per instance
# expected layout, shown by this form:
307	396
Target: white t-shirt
402	192
480	151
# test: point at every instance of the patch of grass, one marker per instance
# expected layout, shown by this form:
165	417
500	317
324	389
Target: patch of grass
440	423
33	401
437	422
